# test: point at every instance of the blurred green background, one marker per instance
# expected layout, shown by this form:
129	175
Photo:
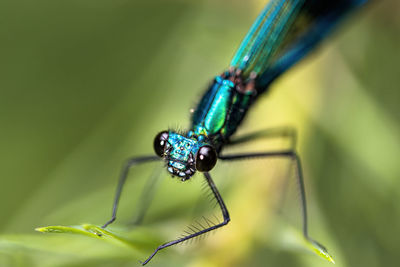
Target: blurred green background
86	84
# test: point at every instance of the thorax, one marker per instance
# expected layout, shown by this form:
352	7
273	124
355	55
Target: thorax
221	109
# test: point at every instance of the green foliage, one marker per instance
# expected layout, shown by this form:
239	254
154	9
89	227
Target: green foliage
319	250
95	232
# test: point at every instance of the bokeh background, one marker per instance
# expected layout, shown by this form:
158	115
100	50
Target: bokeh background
86	84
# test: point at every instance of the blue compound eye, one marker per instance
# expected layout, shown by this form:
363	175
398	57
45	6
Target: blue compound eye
159	143
206	158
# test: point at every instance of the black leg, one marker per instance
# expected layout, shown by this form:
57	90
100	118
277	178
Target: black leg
268	133
124	174
225	214
291	154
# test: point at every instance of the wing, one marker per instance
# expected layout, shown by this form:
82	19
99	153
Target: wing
265	36
284	33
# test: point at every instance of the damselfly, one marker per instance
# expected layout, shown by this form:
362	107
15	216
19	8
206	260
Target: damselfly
284	32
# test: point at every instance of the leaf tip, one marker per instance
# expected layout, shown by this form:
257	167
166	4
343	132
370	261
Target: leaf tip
50	229
40	229
321	251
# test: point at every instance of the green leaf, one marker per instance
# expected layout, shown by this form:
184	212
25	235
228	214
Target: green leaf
98	233
319	249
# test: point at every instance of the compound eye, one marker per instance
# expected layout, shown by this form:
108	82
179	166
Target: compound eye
159	143
206	158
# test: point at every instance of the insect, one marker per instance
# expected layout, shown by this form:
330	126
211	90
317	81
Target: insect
284	32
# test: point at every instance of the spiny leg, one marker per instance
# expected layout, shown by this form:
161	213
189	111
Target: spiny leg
225	215
124	174
291	154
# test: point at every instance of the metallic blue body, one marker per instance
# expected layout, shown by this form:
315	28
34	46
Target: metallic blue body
220	111
284	32
210	116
